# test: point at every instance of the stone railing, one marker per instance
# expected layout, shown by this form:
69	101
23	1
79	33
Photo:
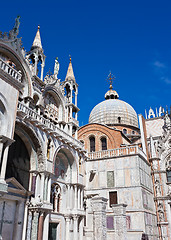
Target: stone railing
116	152
39	120
74	121
10	70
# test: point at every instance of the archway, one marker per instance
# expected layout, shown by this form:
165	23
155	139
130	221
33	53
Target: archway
18	163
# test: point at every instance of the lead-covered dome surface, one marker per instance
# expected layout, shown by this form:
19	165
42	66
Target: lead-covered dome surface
114	111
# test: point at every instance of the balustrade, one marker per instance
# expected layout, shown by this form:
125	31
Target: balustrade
10	70
40	120
116	152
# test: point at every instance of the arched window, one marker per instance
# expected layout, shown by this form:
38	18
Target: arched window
92	144
119	119
133	132
104	143
124	131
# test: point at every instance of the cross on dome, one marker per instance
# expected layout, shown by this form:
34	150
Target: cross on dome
110	79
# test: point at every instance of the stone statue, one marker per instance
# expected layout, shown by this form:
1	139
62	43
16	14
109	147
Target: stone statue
16	26
56	67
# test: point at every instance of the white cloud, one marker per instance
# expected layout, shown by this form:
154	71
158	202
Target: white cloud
159	64
166	80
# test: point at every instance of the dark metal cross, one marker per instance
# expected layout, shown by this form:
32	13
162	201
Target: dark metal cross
110	79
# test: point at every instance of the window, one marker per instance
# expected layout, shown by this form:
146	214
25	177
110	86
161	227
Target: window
112	198
119	119
168	173
110	179
124	131
133	132
92	144
104	143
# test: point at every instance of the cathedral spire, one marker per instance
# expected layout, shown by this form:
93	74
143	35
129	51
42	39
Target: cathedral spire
37	40
70	72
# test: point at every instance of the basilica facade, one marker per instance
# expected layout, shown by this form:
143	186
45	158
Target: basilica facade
109	179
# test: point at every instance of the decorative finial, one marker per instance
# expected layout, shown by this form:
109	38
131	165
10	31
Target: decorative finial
70	58
38	27
110	79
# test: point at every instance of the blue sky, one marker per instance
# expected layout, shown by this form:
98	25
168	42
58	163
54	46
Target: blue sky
132	39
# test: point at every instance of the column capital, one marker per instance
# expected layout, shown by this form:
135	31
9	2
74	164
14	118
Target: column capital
75	217
7	141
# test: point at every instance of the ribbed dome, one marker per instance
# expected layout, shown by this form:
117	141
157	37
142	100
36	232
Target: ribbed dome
114	111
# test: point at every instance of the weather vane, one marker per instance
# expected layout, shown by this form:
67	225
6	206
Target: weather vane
110	79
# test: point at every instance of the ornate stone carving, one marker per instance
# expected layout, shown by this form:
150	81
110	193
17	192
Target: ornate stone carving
161	211
36	202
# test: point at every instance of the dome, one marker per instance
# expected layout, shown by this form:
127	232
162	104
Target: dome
112	112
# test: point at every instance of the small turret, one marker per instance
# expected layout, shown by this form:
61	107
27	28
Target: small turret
37	56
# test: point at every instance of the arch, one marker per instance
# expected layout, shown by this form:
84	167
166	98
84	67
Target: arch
18	162
55	196
65	166
57	99
33	144
5	119
20	65
92	143
103	143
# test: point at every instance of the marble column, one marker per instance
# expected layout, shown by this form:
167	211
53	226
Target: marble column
42	69
35	64
4	163
40	226
42	182
25	221
67	232
68	197
37	190
29	223
99	218
46	188
49	189
81	229
81	200
34	226
1	148
75	197
75	227
71	196
17	228
46	227
79	195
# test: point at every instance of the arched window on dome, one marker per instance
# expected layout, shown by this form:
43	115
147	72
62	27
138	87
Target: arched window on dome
133	132
92	144
104	143
124	131
119	119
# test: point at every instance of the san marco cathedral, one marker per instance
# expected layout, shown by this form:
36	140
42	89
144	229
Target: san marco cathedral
108	180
